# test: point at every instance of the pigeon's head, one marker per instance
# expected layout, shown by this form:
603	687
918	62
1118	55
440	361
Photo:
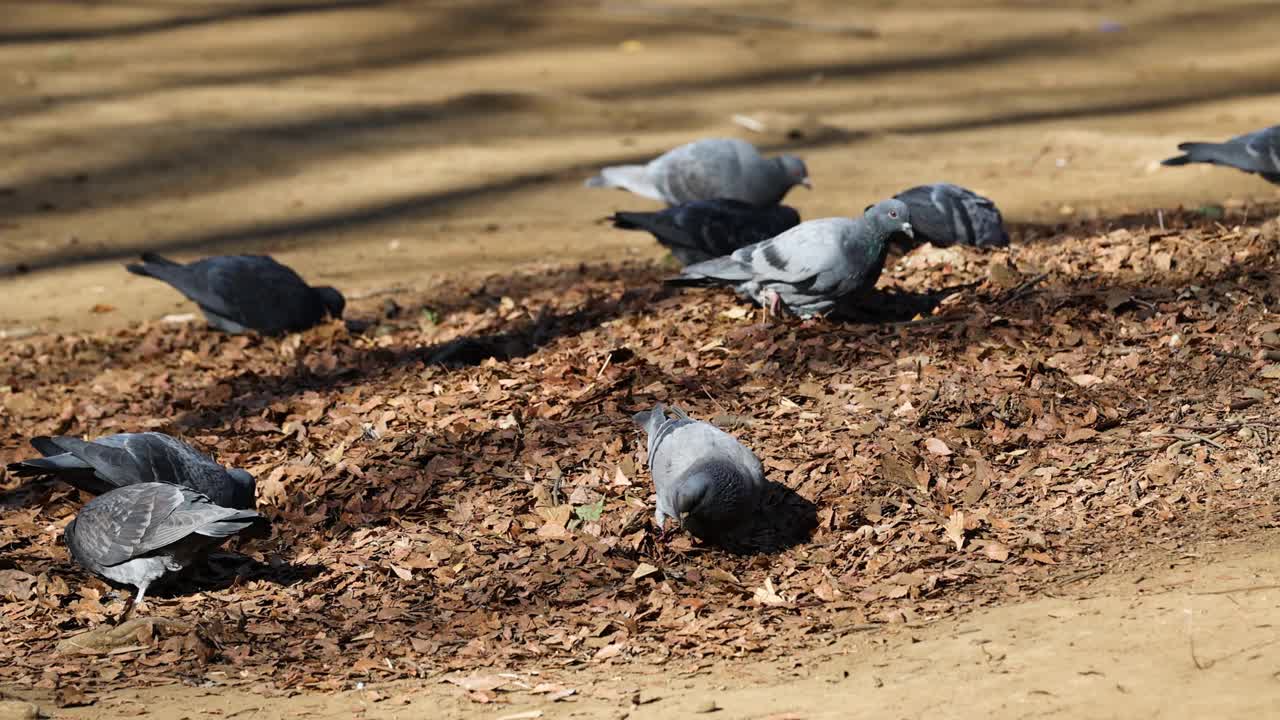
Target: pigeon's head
333	301
711	499
246	488
889	217
796	172
651	420
999	241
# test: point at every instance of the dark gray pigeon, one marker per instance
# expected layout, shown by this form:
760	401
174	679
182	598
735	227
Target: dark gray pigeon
239	293
141	533
116	461
944	214
707	229
1255	152
808	268
705	479
710	169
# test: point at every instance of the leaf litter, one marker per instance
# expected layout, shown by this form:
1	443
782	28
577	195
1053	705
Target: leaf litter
457	490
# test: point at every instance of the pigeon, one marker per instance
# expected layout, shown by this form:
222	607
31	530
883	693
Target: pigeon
116	461
706	229
946	214
808	268
1255	152
710	169
705	479
239	293
138	534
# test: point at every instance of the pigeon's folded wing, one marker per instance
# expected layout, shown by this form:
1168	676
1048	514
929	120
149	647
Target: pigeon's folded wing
118	526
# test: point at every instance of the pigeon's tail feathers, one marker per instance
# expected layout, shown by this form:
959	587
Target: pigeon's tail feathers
634	178
1194	152
158	259
662	226
154	266
234	523
657	223
52	465
67	468
112	464
634	220
46	446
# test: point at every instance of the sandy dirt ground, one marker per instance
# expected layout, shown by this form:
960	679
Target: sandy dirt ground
1188	637
375	144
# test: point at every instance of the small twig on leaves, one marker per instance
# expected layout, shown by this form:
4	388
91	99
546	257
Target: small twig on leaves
1081	575
1023	290
1231	355
1191	438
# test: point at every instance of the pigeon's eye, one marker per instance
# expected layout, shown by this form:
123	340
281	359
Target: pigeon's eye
893	214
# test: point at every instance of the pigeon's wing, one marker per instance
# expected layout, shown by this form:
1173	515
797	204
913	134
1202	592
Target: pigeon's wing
119	525
196	515
693	232
262	294
944	214
194	281
1257	152
684	442
634	178
110	457
810	256
721	227
709	169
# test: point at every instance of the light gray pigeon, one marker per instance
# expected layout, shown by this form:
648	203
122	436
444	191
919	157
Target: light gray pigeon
239	293
116	461
944	214
1255	152
705	479
710	169
810	267
141	533
707	229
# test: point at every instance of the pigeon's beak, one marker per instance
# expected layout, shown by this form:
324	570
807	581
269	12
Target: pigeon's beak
807	183
906	228
681	518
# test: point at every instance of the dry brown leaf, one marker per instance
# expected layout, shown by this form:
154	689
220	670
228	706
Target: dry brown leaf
996	550
644	570
476	682
937	447
954	529
768	595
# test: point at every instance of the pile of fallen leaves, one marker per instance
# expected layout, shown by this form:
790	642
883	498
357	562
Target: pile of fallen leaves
456	483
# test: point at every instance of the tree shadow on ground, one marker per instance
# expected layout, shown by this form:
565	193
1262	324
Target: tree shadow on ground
510	339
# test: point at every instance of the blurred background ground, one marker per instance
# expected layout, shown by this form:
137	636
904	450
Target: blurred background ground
374	144
371	143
